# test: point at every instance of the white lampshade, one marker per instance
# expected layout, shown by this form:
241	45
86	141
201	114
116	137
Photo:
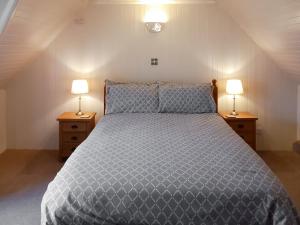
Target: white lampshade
80	87
234	87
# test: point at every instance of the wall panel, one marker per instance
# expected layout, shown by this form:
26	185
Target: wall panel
273	25
199	43
33	26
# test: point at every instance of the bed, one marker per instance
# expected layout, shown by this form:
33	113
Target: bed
165	168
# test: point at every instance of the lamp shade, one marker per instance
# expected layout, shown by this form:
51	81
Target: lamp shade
80	87
234	87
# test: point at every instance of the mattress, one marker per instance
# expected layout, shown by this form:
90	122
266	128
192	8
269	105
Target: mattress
156	169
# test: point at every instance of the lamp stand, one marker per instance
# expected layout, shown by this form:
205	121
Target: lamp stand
234	113
79	113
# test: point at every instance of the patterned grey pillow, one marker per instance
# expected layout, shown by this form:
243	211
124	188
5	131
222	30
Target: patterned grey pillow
186	98
131	97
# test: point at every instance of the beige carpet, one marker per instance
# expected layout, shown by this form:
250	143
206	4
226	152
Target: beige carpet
286	165
25	174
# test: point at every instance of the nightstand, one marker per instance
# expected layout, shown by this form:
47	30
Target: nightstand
73	130
244	125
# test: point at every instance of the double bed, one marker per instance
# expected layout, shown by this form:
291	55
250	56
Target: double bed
165	168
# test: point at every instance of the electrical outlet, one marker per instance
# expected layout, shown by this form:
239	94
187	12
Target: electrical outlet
154	61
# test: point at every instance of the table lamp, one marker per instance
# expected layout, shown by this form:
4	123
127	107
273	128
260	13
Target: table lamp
234	87
80	87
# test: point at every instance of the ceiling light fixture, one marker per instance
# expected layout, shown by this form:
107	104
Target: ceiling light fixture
155	20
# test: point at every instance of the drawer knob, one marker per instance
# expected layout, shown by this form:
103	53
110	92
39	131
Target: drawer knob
242	137
241	126
73	149
74	138
74	126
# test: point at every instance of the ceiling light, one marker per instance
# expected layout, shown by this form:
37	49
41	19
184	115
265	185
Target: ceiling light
155	15
155	20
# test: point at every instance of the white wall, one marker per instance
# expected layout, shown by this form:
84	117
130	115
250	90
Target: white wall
273	25
199	43
2	120
33	26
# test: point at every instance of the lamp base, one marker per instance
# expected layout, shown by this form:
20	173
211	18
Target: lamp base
234	113
79	113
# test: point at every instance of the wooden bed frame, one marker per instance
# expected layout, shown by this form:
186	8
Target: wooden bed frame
213	85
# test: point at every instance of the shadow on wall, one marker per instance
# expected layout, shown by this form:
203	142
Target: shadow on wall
41	98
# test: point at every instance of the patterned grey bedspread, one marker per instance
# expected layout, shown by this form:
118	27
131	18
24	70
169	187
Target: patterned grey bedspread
165	169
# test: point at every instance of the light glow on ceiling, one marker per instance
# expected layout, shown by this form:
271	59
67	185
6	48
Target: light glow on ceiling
156	2
155	14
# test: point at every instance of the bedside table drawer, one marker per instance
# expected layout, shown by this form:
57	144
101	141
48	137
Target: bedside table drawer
248	137
73	126
73	130
241	126
74	137
69	148
244	125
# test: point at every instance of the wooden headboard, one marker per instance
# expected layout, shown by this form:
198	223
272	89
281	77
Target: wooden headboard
215	92
213	85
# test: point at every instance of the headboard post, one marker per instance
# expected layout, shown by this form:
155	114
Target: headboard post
215	92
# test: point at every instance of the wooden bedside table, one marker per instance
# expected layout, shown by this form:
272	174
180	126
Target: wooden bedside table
244	125
73	130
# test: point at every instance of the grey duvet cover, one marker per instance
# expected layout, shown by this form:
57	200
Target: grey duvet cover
165	169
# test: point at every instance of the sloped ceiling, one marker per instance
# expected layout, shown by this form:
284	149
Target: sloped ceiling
274	25
31	29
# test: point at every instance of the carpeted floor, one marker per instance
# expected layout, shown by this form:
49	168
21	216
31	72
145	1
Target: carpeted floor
286	165
24	175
